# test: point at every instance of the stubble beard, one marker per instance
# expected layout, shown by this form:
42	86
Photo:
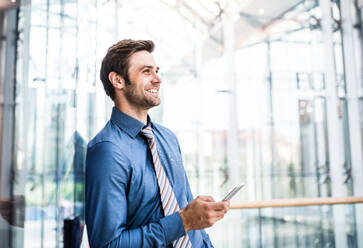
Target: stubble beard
139	100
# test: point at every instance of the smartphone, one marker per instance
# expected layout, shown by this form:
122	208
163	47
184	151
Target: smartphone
233	192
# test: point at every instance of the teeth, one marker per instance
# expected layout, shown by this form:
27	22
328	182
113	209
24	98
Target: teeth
152	91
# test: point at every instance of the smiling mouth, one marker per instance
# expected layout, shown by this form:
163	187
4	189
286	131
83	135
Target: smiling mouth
154	91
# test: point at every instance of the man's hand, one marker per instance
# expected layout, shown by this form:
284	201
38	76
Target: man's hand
203	212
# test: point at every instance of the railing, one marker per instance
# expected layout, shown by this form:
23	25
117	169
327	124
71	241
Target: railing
296	202
294	222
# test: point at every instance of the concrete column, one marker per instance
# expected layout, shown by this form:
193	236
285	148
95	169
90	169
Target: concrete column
336	156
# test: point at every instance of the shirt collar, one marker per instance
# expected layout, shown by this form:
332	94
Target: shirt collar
127	123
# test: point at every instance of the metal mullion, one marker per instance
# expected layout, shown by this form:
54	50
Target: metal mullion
8	152
335	154
353	128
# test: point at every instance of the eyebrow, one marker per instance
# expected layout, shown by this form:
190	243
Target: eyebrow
150	67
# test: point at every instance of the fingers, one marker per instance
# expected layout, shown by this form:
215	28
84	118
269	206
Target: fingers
216	214
212	205
206	198
203	212
215	211
214	217
217	218
228	203
218	206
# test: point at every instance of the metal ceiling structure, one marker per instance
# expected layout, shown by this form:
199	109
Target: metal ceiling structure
204	18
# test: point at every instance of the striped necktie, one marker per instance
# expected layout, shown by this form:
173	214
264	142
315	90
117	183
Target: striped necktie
168	200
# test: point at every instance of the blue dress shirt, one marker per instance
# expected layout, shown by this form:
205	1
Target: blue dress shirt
123	206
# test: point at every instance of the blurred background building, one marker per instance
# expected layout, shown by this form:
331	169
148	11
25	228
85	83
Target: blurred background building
265	92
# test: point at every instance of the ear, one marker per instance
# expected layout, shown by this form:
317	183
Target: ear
116	80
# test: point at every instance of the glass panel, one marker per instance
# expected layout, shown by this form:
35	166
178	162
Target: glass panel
55	115
281	103
311	226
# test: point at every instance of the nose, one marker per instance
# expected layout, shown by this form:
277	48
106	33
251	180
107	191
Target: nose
156	79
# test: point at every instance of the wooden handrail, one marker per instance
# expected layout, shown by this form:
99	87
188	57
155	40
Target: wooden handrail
296	202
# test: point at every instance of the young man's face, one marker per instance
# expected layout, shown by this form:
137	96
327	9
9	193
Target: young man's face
143	91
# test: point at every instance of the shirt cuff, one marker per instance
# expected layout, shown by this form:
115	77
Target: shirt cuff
173	227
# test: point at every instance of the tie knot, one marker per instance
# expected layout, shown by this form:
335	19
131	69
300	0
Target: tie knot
147	132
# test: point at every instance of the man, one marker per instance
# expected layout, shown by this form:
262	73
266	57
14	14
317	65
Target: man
137	192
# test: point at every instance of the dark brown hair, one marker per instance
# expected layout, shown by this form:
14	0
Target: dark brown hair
117	60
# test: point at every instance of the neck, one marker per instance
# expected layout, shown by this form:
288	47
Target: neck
134	112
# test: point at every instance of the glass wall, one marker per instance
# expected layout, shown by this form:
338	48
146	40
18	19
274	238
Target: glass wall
295	227
271	96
